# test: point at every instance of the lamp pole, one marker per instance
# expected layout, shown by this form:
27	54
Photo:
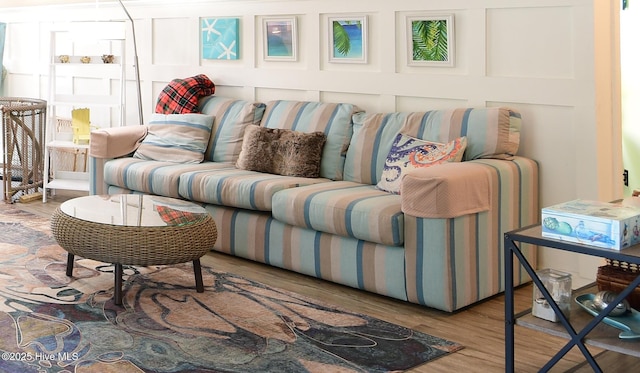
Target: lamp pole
135	63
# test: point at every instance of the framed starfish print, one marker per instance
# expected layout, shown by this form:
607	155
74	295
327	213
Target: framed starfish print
220	38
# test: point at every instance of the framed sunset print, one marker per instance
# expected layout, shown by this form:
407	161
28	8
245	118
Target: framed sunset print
280	39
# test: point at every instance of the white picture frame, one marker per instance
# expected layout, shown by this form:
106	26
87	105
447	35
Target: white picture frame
280	39
430	40
347	41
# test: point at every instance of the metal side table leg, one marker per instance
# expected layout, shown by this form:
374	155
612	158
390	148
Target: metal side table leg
509	339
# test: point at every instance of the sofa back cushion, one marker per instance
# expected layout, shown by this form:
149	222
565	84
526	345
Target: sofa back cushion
232	116
334	120
490	133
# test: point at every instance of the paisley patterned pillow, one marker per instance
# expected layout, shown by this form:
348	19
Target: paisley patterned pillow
409	153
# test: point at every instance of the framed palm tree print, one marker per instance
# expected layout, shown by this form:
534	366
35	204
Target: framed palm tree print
430	40
348	39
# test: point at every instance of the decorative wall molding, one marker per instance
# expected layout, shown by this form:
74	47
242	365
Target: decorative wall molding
503	56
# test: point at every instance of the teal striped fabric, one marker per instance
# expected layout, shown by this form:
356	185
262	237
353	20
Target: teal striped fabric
490	133
344	208
371	142
178	138
347	231
452	263
334	120
232	116
343	260
446	264
96	175
152	177
238	188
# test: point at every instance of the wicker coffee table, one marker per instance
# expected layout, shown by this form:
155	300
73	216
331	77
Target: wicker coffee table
139	230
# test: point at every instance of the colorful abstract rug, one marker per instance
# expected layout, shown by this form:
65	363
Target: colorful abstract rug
52	323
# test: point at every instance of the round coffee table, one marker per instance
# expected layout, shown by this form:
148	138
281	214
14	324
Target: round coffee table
128	229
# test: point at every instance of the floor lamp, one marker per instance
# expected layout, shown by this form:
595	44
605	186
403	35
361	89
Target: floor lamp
135	63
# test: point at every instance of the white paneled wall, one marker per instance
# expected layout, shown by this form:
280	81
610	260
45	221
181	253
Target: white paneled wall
546	58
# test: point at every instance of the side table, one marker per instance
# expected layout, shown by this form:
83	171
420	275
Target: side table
533	235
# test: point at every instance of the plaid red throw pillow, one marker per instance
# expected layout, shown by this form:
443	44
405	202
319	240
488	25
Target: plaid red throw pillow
181	95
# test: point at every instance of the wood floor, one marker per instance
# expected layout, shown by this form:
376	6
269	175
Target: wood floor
479	328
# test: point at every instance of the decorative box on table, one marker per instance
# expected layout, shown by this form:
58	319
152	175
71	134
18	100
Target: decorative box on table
601	224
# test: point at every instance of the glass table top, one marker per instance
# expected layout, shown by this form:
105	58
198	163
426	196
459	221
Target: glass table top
134	210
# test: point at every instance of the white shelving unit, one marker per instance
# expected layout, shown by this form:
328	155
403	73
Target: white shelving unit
76	54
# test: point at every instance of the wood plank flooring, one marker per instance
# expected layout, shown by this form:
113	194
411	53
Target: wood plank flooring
479	328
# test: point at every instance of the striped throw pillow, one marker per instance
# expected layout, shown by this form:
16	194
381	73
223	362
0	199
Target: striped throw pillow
178	138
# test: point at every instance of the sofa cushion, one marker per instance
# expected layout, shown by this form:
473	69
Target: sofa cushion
408	153
344	208
181	96
490	132
281	152
232	116
370	144
178	138
334	120
152	177
238	188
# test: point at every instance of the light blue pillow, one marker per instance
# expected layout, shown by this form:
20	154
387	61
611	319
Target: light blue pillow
178	138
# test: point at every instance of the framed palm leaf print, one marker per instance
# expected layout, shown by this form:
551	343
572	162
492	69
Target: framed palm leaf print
430	40
348	39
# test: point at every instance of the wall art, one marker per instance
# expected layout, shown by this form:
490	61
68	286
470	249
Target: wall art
280	39
220	38
430	40
348	39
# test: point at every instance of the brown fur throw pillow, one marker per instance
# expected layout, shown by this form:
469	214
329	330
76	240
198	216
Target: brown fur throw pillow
281	151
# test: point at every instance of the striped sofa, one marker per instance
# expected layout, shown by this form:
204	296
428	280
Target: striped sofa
438	243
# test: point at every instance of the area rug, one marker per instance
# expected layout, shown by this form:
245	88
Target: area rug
52	323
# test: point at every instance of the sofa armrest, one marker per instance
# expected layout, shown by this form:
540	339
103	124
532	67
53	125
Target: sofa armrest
447	190
107	144
117	141
454	262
